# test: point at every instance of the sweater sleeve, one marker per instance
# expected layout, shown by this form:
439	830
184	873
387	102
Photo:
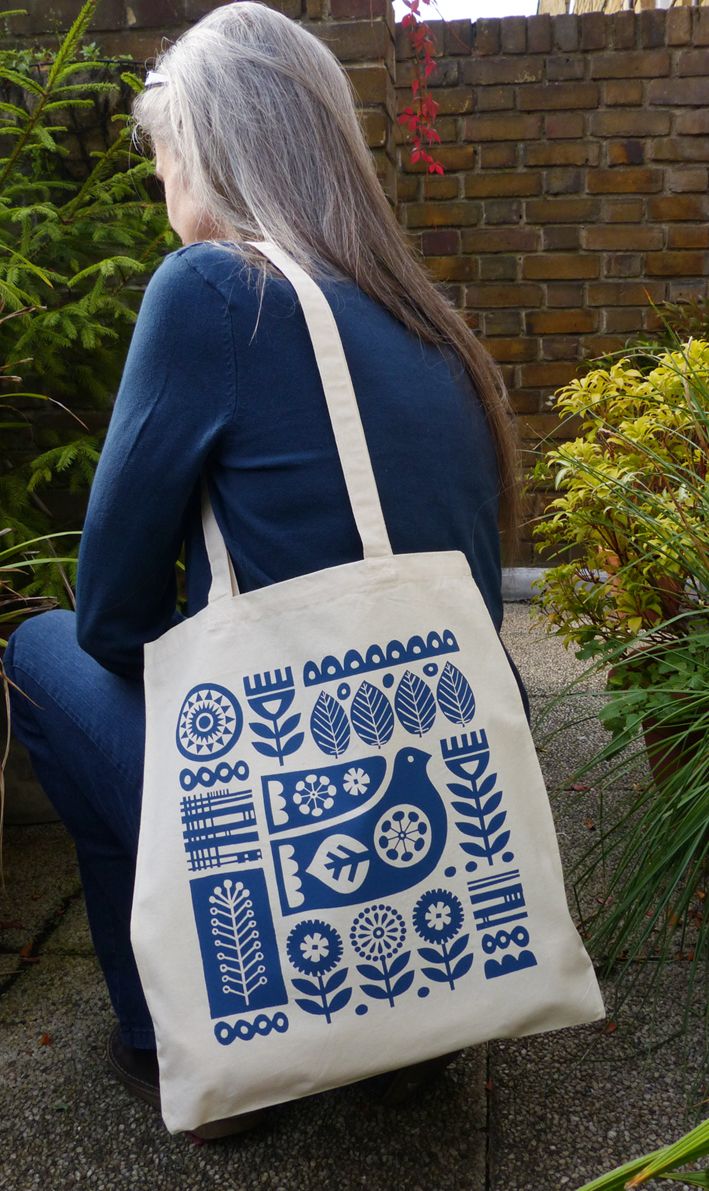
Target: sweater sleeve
177	394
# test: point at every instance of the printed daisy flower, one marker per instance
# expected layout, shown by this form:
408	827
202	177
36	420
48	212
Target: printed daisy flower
378	932
438	916
314	794
314	947
355	781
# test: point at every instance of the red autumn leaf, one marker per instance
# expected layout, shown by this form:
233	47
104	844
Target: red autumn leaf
45	1040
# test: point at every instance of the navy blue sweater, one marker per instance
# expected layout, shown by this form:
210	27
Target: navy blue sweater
200	390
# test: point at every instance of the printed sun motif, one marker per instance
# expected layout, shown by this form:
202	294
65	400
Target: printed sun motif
438	916
314	794
402	836
355	781
314	947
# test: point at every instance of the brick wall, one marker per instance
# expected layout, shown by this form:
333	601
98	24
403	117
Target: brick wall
576	152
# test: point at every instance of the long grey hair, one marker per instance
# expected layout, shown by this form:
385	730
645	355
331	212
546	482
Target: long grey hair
262	121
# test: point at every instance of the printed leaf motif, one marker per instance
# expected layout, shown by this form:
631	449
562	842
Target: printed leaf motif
492	803
370	972
340	1000
289	724
402	984
372	716
415	704
400	962
268	750
431	955
462	966
436	974
335	980
496	822
262	729
329	725
306	986
499	842
455	948
455	697
294	743
374	990
314	1007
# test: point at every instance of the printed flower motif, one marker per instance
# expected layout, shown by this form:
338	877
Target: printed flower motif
378	932
355	781
438	916
401	836
314	794
314	947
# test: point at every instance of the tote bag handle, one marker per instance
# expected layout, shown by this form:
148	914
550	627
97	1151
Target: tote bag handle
346	424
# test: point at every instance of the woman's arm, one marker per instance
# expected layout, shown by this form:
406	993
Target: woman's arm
177	393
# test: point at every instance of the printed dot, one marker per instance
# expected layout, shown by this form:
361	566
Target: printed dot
423	992
471	866
361	1010
450	872
343	690
508	855
388	679
431	668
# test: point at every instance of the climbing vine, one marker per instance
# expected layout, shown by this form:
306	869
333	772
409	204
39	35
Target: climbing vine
420	118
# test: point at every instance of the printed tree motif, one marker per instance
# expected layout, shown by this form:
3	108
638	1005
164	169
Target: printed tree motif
438	918
236	935
314	948
378	933
329	725
270	697
415	704
372	716
455	697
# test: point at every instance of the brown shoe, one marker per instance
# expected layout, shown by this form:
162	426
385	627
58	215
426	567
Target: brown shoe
138	1071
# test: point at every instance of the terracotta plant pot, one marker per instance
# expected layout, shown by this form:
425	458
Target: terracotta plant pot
666	755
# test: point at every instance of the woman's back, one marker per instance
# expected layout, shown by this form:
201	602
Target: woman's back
201	390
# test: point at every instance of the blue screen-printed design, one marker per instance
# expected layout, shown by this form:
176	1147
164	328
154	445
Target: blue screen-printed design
209	722
375	658
315	948
320	793
391	845
242	970
377	935
438	918
219	828
270	695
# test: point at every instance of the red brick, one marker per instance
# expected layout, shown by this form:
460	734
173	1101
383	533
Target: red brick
565	295
503	322
548	265
592	30
437	187
495	72
626	319
497	184
451	157
624	264
647	64
621	30
624	92
566	32
624	293
701	27
622	210
684	149
501	239
440	243
354	40
560	96
691	235
652	28
561	237
565	66
459	36
495	99
692	123
498	156
503	295
498	267
691	62
370	82
513	35
679	26
563	181
674	264
678	92
624	181
501	128
442	214
486	35
450	100
376	126
683	180
453	268
544	322
506	210
539	33
563	210
622	238
626	152
512	350
629	123
561	153
677	207
560	347
564	124
544	373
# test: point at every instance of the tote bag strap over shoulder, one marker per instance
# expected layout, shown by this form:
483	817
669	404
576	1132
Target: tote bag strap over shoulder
346	424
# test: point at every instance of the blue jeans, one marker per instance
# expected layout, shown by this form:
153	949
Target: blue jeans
86	741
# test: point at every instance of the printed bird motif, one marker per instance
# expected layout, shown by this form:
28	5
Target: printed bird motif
393	843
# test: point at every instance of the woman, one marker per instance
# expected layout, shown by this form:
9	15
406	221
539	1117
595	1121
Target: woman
256	136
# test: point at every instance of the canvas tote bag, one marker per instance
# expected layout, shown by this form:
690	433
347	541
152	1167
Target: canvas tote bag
347	859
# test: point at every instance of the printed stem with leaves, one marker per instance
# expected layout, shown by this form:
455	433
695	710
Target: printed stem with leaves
386	974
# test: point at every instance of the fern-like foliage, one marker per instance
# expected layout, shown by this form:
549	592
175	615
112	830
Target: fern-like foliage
82	228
